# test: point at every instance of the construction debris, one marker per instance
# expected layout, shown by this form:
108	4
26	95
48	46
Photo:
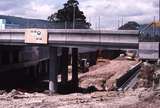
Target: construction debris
146	76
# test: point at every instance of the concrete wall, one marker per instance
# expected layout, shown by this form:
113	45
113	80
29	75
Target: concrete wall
149	50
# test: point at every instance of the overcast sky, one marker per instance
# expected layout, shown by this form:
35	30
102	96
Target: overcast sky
109	11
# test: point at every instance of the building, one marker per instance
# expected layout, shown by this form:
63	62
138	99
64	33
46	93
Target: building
12	22
2	24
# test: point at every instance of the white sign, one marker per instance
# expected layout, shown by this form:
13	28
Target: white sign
38	36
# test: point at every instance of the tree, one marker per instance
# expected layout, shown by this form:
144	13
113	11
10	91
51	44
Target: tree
132	25
52	18
69	13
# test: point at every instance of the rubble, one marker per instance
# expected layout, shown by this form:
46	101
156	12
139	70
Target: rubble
146	76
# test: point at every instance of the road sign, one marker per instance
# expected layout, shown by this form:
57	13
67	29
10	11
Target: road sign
37	36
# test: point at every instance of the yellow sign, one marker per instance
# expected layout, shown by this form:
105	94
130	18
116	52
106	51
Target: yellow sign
38	36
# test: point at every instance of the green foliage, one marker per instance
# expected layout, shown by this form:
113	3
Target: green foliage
66	14
132	25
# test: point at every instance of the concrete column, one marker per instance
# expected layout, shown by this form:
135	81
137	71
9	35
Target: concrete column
53	70
45	67
159	50
75	66
0	58
64	73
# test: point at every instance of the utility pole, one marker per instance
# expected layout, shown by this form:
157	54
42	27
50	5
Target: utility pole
154	26
159	18
99	22
65	25
122	20
159	10
74	12
118	23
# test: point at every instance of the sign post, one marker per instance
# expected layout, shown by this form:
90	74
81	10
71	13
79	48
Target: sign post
36	36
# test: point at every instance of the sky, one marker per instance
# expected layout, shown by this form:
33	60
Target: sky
104	14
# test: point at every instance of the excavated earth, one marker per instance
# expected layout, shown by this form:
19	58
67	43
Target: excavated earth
102	78
103	75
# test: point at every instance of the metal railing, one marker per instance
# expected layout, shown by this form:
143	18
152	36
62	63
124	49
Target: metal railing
129	79
150	33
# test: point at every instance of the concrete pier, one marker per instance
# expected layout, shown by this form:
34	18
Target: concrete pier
64	73
75	66
0	59
53	70
44	67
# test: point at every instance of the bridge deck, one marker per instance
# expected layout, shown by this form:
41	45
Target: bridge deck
77	37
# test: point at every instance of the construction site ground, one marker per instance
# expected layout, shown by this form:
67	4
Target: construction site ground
100	80
140	98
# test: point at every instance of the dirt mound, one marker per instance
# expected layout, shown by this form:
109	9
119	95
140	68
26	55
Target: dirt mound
103	76
100	63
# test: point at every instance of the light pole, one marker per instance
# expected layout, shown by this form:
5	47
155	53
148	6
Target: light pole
118	23
74	14
159	18
159	10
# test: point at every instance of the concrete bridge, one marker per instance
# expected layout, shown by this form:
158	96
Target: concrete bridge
67	38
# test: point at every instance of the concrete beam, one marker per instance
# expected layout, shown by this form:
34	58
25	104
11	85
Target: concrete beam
75	66
103	38
53	70
64	74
